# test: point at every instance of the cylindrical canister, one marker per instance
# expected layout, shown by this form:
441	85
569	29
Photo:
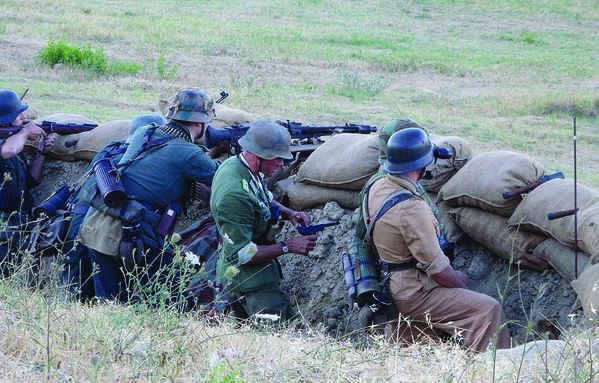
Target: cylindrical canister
109	184
58	200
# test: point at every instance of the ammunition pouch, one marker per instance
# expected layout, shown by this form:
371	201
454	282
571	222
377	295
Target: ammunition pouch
48	236
129	212
131	248
167	222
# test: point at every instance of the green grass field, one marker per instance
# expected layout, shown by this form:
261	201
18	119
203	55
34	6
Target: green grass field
501	74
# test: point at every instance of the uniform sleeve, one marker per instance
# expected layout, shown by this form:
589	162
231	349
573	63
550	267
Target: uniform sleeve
235	216
417	226
200	167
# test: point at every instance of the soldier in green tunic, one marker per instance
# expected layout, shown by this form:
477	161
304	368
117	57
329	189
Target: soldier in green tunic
244	211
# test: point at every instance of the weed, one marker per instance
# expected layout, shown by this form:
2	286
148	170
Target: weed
164	72
93	60
2	29
357	88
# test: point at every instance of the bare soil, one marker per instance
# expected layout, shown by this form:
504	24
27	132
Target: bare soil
317	284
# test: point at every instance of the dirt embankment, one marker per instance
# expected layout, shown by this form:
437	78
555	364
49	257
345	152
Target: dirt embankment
317	283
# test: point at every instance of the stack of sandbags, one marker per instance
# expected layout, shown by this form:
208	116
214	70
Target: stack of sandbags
558	195
336	171
473	197
587	289
443	169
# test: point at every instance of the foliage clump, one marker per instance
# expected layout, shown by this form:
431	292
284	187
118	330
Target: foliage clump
94	60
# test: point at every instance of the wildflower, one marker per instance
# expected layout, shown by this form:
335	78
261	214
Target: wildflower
191	258
231	272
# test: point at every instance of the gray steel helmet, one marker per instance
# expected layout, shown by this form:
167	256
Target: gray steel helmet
408	150
10	106
268	140
193	105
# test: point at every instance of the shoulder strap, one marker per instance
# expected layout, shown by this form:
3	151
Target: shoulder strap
396	198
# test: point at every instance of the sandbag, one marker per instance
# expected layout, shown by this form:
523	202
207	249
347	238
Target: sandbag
450	227
305	196
587	289
90	143
345	161
561	258
443	169
61	151
557	195
492	231
482	181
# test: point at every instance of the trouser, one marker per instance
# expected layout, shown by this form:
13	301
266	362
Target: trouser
472	318
76	274
269	299
154	281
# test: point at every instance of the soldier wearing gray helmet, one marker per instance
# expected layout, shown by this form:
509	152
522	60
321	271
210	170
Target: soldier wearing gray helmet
244	211
20	174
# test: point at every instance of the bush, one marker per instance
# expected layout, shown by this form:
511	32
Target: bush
59	52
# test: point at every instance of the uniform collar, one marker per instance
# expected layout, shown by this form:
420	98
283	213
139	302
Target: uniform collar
406	183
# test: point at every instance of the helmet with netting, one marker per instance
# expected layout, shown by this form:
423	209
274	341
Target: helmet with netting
192	105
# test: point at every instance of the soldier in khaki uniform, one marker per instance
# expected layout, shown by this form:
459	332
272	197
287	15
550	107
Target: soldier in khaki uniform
430	297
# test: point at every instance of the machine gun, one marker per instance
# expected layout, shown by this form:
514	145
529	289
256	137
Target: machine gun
304	137
50	127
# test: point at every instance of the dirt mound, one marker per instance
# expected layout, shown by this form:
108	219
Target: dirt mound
317	284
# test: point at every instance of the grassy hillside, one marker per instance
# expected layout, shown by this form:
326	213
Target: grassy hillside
502	74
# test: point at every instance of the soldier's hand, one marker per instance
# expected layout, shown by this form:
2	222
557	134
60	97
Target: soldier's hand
49	142
299	218
302	244
33	132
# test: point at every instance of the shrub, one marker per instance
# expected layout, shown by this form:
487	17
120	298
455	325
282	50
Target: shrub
94	60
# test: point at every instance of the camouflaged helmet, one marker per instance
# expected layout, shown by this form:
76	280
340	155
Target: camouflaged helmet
193	105
10	106
387	132
268	140
408	150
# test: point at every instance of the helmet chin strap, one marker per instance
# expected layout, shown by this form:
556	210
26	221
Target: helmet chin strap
425	174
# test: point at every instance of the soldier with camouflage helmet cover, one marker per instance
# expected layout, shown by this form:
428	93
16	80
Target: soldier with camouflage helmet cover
20	174
158	168
244	211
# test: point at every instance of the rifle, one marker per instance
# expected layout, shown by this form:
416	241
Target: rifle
532	185
313	229
303	135
50	127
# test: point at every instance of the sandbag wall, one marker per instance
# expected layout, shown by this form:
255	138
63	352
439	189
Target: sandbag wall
518	227
339	168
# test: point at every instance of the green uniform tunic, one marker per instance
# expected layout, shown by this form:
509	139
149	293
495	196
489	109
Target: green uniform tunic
240	204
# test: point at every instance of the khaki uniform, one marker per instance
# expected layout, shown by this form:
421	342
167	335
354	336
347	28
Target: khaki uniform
407	232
